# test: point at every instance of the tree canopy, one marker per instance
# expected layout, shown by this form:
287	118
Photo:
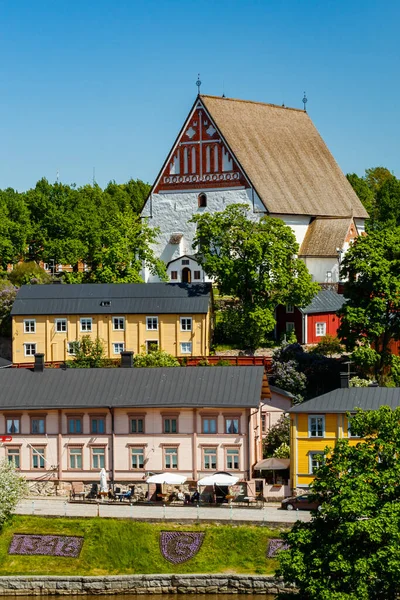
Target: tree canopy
370	317
379	191
256	262
350	550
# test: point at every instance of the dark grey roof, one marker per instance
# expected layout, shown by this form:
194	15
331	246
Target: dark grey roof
280	391
191	256
4	362
347	399
125	298
160	387
324	301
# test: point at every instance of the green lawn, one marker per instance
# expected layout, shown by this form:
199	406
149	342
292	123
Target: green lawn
116	546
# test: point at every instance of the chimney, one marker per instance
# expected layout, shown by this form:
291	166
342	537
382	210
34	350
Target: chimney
127	359
39	363
344	380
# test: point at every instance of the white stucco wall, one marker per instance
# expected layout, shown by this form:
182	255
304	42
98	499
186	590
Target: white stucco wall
298	223
172	211
319	268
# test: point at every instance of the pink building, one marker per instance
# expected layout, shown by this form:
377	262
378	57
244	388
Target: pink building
68	424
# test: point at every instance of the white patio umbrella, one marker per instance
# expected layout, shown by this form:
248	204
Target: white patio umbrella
219	479
169	478
103	481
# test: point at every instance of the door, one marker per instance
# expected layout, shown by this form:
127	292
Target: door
186	275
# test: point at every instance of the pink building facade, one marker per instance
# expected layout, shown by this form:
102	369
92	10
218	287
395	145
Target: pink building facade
67	425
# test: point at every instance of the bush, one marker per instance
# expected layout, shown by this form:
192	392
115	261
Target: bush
28	273
156	358
277	436
89	354
12	488
328	345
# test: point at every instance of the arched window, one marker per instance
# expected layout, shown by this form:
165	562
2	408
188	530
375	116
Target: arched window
202	200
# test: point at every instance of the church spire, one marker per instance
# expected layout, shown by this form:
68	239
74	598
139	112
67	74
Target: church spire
198	83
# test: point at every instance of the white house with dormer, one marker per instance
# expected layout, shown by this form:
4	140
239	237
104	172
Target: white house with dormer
269	157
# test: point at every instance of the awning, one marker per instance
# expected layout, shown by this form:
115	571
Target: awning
272	464
169	478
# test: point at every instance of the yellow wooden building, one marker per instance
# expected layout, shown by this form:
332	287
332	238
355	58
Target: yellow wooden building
318	423
50	319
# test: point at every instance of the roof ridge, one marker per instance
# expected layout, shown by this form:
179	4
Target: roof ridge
301	110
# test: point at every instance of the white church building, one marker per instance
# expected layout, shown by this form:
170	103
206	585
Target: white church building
269	157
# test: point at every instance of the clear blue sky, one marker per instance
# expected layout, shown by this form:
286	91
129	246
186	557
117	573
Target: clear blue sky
107	83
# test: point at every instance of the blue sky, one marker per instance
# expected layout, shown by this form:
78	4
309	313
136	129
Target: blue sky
108	83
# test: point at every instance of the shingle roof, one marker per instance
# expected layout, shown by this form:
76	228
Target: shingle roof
125	298
160	387
323	236
285	158
347	399
324	301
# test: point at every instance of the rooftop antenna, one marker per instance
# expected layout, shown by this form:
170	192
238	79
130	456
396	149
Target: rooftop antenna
305	100
198	83
94	176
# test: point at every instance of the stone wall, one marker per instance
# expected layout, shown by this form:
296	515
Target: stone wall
144	584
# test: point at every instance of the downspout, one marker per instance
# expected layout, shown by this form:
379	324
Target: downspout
59	445
112	467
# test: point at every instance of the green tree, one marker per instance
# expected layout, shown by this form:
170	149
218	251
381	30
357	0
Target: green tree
155	358
350	550
255	261
388	203
13	488
363	191
370	317
328	345
278	435
376	177
89	354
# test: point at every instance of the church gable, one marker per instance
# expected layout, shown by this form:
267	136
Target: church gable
200	158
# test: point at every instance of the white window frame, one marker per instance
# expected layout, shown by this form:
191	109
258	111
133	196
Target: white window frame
230	453
61	322
185	320
86	320
118	344
147	324
26	347
137	452
290	326
186	351
316	329
71	348
289	309
117	320
28	322
310	460
310	417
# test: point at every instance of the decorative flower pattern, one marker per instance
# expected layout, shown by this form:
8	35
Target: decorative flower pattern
46	545
180	546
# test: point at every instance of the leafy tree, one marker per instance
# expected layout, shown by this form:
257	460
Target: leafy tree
156	358
370	317
350	549
277	436
28	273
376	177
363	191
388	203
328	345
8	293
255	261
359	382
13	488
283	451
89	354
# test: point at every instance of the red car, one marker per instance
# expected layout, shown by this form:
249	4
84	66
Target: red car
302	502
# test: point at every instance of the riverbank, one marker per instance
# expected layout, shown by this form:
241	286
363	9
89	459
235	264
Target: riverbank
122	547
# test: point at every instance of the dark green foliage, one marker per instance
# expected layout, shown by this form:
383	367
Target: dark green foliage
378	190
304	374
277	435
28	273
350	550
254	262
125	546
89	354
371	314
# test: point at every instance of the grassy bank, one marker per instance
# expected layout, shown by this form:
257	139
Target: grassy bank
113	547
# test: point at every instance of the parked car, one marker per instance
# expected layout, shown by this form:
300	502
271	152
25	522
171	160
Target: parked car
302	502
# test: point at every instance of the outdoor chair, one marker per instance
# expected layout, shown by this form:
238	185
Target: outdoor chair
77	491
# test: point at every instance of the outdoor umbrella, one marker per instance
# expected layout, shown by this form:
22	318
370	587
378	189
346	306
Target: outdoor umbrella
103	481
169	478
272	464
219	479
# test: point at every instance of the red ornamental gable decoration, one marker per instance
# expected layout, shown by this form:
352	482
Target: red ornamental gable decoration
201	159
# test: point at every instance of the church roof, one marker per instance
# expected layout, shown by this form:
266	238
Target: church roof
285	158
323	236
